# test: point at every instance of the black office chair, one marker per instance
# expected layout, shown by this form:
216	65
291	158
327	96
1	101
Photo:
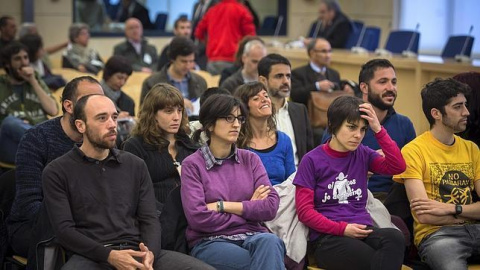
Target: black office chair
7	195
458	45
371	38
401	40
268	26
161	21
357	27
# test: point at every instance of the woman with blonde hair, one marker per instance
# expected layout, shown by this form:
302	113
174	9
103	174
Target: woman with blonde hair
161	138
260	135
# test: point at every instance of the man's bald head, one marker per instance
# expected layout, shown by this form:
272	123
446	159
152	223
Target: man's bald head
133	29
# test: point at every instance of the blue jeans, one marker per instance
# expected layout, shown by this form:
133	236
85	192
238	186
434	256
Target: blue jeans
451	246
259	251
11	131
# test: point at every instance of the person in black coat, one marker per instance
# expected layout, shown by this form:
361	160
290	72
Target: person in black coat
161	139
316	75
116	73
332	24
131	8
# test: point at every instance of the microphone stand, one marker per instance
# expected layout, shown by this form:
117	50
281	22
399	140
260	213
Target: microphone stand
462	57
408	52
358	49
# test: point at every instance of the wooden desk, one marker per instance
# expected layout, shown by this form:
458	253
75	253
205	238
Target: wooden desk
412	74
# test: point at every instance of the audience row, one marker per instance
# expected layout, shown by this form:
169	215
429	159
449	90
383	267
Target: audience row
214	189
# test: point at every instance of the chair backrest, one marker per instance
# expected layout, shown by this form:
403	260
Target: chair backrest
399	41
270	22
311	32
7	191
268	26
357	27
161	21
371	38
455	45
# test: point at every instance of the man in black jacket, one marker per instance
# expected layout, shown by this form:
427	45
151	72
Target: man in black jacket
316	75
142	56
332	24
100	200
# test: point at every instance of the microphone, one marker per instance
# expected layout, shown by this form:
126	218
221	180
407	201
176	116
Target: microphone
279	25
462	57
275	42
317	29
408	52
358	48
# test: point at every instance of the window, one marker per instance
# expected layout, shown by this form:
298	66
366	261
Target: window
440	19
102	15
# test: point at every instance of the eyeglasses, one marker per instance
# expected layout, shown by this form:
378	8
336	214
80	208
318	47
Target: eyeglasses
230	118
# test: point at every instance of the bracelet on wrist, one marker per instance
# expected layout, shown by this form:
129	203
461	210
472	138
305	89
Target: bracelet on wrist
222	210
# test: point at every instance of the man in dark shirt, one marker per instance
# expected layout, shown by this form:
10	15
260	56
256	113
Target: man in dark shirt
181	28
8	30
178	72
100	200
38	147
317	74
142	55
332	24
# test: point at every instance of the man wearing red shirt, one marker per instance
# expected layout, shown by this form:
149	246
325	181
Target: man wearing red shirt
226	24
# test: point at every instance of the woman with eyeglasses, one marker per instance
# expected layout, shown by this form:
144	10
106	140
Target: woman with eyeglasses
331	193
226	195
161	139
260	135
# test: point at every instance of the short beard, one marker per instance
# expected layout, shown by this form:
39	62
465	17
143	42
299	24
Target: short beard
99	144
377	102
14	74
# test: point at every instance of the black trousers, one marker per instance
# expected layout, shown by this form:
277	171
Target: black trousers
383	249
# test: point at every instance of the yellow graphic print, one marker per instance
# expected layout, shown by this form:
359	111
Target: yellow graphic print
452	182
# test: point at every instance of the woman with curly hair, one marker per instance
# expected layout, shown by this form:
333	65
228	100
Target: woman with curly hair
161	138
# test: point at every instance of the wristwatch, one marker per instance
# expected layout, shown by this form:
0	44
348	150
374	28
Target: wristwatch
458	210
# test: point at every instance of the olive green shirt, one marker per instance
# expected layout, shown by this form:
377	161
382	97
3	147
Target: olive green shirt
21	100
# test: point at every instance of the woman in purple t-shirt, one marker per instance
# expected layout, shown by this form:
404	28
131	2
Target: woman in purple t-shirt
332	194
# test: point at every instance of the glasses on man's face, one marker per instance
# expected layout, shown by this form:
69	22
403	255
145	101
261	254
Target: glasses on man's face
230	118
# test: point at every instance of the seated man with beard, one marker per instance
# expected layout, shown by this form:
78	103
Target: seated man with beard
100	200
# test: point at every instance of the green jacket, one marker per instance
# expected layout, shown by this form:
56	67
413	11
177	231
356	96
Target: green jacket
27	106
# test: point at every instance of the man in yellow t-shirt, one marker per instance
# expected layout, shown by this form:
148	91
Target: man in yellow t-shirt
442	174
